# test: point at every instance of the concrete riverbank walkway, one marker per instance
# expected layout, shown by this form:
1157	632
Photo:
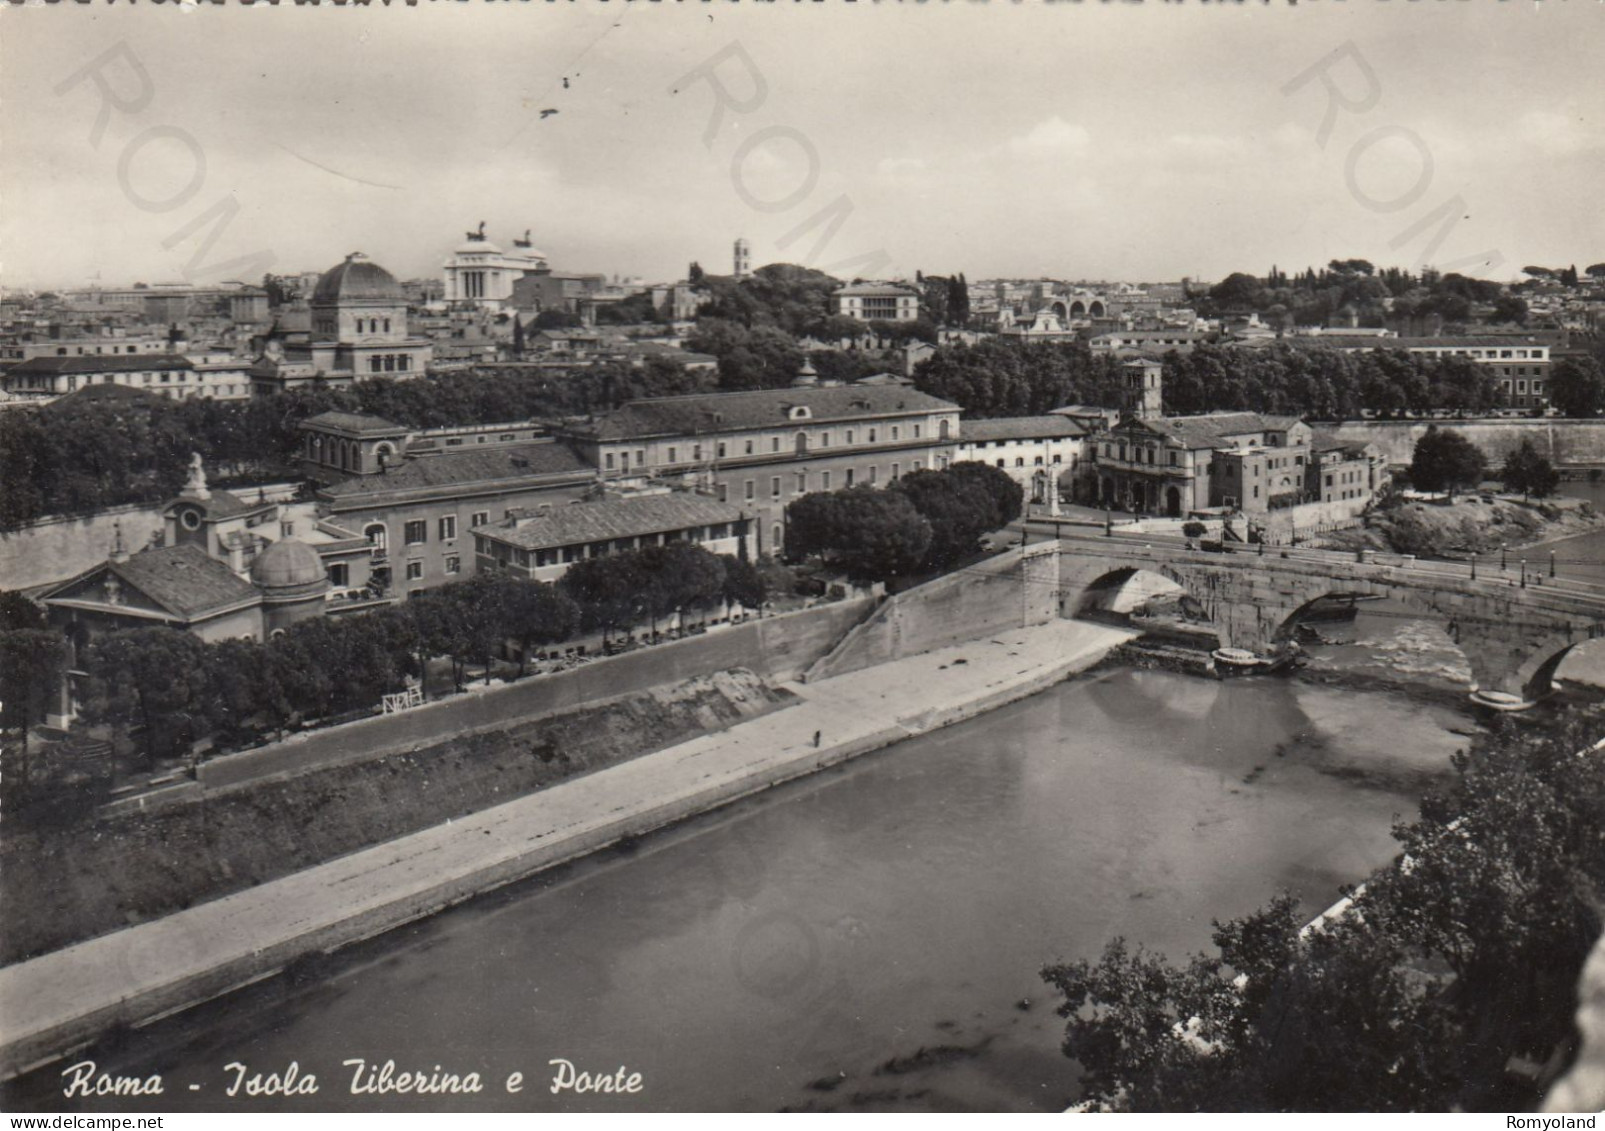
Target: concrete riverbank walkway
60	1000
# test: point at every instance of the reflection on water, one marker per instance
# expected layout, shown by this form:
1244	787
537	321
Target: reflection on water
870	937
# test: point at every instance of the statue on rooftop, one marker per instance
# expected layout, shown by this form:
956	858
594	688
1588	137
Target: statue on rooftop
195	485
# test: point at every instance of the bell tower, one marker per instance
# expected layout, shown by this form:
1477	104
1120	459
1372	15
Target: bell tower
1144	388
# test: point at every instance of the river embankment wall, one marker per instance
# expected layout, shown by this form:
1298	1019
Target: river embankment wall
1565	443
68	997
777	648
1011	590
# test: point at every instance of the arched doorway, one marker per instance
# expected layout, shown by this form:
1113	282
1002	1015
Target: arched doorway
378	536
802	443
1039	488
1108	491
1173	502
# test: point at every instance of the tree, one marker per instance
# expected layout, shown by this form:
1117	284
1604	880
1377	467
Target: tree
744	583
538	615
1577	386
32	666
1008	497
870	534
1527	471
1595	270
1499	887
1510	308
1445	461
155	679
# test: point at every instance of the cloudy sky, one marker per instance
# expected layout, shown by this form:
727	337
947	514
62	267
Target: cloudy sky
1088	141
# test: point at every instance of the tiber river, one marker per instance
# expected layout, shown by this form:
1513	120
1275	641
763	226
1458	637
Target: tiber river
867	938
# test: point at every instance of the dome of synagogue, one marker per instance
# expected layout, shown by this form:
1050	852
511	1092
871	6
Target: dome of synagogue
287	564
357	278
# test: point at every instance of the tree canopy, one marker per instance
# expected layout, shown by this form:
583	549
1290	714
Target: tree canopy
869	533
1445	461
1577	386
1460	955
1527	471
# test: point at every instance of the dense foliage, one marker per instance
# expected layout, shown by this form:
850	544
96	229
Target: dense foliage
926	520
171	688
1344	286
998	377
1445	461
98	449
868	533
1527	471
1460	955
1577	386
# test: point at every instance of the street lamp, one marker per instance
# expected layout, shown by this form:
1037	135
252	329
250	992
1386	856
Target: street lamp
1552	563
1502	549
1474	567
1524	573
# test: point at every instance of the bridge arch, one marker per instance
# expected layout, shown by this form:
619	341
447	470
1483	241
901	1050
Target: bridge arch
1119	591
1535	676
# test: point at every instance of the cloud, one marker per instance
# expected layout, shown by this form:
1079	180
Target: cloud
897	167
1557	134
1051	136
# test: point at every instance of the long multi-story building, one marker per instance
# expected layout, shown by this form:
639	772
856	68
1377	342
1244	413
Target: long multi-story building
762	449
175	376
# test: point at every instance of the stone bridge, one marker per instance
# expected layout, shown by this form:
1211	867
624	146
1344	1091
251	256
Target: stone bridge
1513	637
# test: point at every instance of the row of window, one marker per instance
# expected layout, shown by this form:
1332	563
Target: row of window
800	444
566	555
803	481
61	351
390	363
1019	461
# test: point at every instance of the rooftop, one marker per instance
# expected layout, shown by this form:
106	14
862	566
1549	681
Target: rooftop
358	423
109	363
460	469
1217	430
1020	428
704	413
184	580
606	519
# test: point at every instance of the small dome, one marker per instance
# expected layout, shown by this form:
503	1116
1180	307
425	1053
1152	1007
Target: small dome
286	564
357	278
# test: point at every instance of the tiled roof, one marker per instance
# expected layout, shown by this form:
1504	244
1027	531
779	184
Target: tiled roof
760	408
183	579
1217	430
460	469
358	422
607	519
1020	428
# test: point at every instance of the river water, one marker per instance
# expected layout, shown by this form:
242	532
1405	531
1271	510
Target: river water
868	938
1386	642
